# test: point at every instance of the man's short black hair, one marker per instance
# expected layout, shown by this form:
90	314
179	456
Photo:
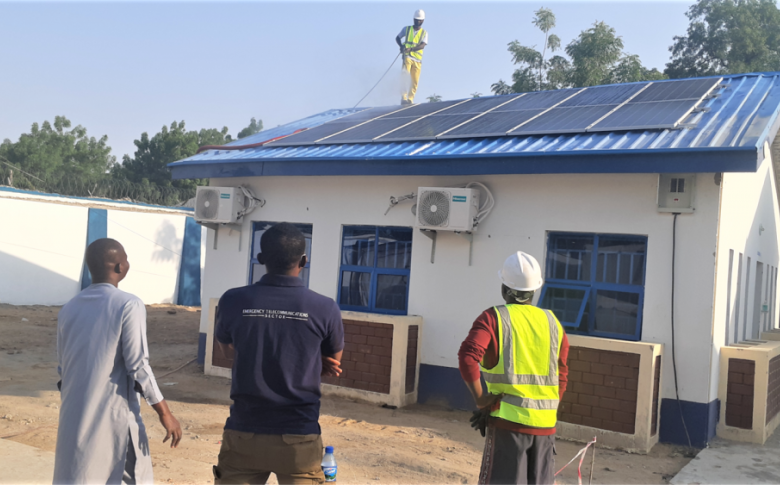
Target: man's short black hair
282	247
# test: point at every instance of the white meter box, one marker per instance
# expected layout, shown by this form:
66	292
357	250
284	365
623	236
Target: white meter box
676	192
447	208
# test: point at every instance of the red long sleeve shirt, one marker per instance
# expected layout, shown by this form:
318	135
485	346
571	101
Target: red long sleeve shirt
481	345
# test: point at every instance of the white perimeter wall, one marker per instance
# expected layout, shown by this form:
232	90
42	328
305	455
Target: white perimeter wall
41	252
42	244
748	203
153	243
450	294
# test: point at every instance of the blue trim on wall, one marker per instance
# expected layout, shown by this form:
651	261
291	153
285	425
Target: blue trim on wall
202	348
700	419
189	269
443	386
691	160
97	228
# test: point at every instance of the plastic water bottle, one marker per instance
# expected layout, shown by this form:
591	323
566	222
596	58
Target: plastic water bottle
329	467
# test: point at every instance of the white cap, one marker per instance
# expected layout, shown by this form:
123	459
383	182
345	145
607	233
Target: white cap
521	272
419	15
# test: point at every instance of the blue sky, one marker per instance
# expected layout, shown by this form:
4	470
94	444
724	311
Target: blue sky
120	69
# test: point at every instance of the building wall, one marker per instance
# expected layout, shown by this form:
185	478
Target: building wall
449	294
41	252
749	221
153	243
43	240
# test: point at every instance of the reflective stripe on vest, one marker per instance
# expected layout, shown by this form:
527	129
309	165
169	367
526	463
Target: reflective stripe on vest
527	368
412	40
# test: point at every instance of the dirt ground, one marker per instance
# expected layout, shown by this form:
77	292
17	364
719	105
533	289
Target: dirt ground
418	444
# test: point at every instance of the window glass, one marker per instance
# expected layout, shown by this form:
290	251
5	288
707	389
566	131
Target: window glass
358	246
570	258
395	248
375	267
602	276
621	261
616	312
355	288
565	303
391	291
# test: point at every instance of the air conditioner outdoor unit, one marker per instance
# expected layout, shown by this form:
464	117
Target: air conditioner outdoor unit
447	208
218	204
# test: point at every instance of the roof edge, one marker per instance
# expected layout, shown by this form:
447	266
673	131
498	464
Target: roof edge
689	160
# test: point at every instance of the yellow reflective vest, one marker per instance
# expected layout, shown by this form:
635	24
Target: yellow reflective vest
529	343
412	39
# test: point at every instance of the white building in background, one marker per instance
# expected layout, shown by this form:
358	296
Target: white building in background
44	237
622	193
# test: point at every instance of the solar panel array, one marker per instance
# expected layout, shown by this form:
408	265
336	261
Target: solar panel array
639	106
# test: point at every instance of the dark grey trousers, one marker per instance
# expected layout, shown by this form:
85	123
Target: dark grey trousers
517	458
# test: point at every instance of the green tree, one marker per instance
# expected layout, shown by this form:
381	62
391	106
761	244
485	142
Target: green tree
55	150
595	57
594	54
152	155
727	37
434	98
255	126
476	94
629	69
501	87
544	20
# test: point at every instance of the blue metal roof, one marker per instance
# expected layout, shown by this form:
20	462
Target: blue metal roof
726	137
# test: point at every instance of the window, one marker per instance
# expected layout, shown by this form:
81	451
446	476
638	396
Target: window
594	283
257	270
375	264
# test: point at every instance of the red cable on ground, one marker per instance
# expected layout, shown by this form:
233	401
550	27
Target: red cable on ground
242	147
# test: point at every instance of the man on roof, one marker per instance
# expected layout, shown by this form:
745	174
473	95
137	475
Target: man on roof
412	40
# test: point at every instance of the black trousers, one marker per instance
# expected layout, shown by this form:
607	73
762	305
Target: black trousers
517	458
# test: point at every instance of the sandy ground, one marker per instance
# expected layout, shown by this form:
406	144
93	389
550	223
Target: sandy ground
418	444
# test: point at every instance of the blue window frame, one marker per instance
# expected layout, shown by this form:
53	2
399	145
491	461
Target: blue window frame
375	266
257	270
595	283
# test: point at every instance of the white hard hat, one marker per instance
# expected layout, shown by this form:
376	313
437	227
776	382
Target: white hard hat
419	15
521	272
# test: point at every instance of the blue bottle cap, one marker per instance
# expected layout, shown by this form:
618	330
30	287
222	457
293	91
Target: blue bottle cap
328	449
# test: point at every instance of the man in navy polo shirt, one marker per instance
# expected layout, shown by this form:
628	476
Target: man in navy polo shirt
285	337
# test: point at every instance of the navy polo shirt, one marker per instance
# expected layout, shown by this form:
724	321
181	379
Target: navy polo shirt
279	330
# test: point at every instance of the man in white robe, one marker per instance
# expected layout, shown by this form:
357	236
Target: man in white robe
104	370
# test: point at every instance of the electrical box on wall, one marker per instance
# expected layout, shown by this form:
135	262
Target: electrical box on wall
676	192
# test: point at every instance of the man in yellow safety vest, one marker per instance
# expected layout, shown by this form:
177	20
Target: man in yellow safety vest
521	351
412	40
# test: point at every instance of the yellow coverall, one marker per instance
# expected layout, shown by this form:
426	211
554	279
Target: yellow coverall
413	68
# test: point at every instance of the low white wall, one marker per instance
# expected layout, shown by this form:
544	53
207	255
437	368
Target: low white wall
41	252
153	244
450	294
43	239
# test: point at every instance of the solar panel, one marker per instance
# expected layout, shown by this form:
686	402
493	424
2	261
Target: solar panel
494	123
564	120
645	116
375	128
318	132
427	128
671	90
661	105
601	95
599	108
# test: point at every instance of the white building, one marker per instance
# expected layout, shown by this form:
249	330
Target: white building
589	184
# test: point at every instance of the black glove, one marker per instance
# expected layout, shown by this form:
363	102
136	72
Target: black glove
479	420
